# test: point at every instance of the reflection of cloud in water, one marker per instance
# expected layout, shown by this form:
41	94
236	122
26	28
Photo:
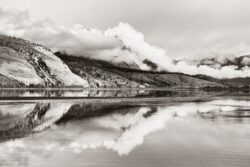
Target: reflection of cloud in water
116	131
138	126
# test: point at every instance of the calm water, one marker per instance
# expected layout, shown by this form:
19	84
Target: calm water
213	132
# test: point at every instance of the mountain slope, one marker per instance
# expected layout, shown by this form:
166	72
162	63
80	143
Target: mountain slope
7	82
238	82
34	65
96	71
27	64
15	66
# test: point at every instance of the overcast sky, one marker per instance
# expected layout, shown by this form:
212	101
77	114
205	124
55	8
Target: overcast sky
181	26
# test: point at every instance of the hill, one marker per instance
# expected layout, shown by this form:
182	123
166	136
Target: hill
27	64
104	74
33	65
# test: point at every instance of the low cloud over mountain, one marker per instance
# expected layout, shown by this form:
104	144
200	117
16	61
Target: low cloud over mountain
118	45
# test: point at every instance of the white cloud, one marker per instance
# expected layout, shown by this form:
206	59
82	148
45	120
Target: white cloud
109	44
221	52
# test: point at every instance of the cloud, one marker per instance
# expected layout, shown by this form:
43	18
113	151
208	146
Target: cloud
119	44
221	52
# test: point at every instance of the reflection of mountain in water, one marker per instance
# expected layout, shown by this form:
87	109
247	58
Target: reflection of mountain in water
19	120
117	127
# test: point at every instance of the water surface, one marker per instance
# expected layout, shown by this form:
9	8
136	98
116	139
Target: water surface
213	132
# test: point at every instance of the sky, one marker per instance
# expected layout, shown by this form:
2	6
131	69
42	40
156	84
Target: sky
181	27
161	31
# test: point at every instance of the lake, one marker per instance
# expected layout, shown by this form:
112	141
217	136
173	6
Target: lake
123	128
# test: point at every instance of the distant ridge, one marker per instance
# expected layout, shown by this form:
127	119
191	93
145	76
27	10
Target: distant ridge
27	64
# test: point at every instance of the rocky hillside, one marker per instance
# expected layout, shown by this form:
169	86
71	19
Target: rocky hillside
27	64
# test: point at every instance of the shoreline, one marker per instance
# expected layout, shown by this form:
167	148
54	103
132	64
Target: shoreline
116	89
120	100
173	88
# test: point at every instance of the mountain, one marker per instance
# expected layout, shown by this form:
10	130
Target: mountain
27	64
104	74
239	63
